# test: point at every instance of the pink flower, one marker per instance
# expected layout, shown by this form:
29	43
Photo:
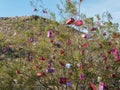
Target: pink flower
78	23
81	77
115	54
117	57
101	86
114	51
31	39
49	35
84	35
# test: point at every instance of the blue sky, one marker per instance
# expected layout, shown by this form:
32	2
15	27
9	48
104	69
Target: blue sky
12	8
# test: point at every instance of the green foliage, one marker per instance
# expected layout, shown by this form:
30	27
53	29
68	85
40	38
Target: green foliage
32	60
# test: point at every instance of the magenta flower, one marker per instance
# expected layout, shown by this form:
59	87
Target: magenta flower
116	57
101	86
49	35
115	52
81	77
31	39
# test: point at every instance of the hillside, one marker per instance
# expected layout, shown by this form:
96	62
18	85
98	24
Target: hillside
30	59
19	32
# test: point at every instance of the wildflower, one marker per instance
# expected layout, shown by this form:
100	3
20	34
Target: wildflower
84	36
68	84
68	65
49	70
15	81
84	45
115	54
42	59
62	52
101	86
36	67
70	21
117	57
78	22
49	35
114	51
92	86
31	39
112	75
62	80
40	74
93	29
